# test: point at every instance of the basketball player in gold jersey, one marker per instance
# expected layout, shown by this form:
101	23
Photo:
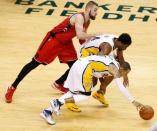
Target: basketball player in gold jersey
80	81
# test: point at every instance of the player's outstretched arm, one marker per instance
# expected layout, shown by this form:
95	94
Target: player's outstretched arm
124	90
120	56
121	59
126	93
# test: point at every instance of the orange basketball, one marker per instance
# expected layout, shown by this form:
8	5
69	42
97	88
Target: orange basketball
146	112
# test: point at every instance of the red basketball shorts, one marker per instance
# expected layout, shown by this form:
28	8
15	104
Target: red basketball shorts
50	48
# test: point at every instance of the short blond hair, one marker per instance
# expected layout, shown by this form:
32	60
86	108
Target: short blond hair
91	3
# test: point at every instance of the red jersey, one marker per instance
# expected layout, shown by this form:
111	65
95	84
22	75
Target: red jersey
64	32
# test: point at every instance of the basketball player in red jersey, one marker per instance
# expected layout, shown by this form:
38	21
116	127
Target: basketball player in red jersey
58	42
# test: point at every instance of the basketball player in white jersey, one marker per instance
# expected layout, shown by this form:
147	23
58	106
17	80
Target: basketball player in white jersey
100	43
80	81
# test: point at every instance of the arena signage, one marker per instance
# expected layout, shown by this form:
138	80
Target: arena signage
129	12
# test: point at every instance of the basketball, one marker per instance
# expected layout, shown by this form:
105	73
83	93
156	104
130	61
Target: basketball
146	112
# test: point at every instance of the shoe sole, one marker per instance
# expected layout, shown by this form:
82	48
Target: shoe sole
8	101
74	109
42	116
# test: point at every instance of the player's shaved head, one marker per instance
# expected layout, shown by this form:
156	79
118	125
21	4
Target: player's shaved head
125	65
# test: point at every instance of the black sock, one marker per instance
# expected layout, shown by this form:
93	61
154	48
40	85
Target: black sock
25	70
65	75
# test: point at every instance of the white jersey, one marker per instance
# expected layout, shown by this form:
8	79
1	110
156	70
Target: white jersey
81	73
93	45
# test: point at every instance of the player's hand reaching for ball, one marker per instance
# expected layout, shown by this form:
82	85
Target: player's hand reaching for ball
137	104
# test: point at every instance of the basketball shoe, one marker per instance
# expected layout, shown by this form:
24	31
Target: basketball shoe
100	97
9	94
60	87
46	115
56	104
73	107
70	104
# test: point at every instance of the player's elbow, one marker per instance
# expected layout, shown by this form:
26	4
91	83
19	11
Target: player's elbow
81	35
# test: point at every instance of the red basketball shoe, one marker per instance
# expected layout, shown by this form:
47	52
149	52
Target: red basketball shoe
60	87
9	94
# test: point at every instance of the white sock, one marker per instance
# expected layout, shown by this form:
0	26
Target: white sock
65	96
80	97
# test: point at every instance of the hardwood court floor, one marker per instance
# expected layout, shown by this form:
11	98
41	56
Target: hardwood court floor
20	35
